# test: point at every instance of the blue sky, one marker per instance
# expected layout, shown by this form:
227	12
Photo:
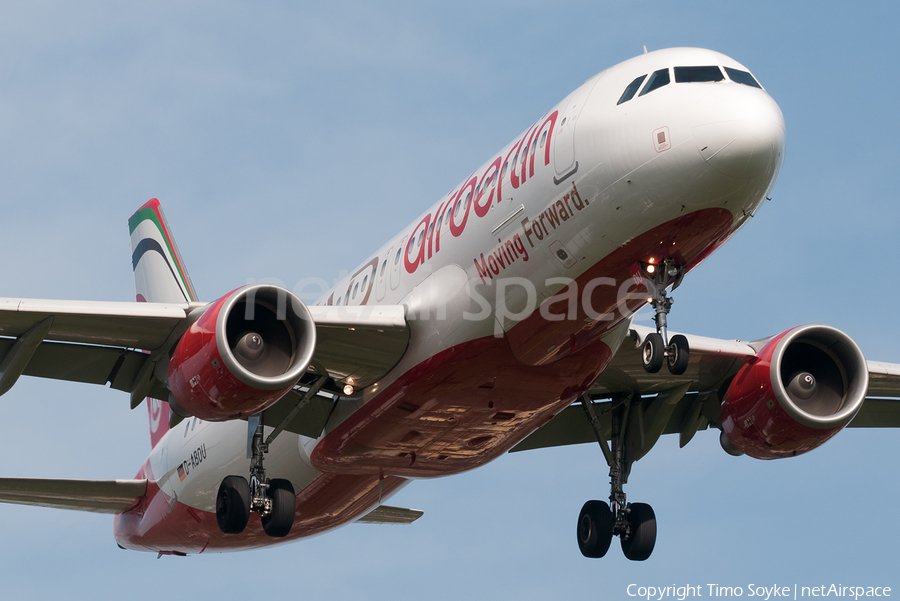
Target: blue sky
288	140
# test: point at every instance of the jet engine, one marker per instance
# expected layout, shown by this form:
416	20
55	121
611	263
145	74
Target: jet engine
802	388
246	351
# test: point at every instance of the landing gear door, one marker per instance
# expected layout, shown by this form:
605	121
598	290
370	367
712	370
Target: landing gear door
565	162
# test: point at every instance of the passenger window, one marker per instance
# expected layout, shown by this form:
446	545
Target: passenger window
627	95
697	74
383	266
544	137
657	80
397	258
743	77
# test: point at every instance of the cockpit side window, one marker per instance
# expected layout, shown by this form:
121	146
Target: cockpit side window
697	74
629	92
743	77
657	80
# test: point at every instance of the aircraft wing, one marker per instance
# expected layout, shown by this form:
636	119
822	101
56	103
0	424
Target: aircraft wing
121	344
690	402
98	496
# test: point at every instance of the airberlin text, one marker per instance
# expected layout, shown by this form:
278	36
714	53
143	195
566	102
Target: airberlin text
764	592
533	231
473	199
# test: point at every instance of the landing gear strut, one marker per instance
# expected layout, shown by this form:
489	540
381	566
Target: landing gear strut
657	346
633	523
274	499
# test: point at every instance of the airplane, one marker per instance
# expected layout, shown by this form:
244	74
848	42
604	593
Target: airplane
500	320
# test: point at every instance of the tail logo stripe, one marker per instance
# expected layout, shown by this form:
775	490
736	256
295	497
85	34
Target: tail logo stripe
150	245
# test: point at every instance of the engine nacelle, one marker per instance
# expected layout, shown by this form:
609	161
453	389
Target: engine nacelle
245	352
804	386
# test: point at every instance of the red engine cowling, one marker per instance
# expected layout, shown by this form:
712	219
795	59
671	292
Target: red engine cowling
245	352
804	386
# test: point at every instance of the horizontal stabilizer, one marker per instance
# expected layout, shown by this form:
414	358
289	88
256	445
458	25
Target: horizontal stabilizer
385	514
98	496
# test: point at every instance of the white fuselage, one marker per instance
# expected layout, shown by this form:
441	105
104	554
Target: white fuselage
577	186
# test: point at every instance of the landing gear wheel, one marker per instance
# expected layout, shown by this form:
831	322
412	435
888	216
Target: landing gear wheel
277	523
595	529
678	355
639	543
652	353
233	505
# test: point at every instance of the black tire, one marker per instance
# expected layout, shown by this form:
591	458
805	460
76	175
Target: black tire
595	529
279	521
233	505
679	355
652	353
642	521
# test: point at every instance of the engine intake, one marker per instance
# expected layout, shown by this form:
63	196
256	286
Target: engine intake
245	352
803	387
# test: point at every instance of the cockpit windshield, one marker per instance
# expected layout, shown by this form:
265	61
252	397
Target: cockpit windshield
709	73
656	81
743	77
629	92
697	74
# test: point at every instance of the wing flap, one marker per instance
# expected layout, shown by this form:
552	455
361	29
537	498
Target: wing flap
385	514
98	496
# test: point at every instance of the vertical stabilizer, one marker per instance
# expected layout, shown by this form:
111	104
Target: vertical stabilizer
159	277
159	272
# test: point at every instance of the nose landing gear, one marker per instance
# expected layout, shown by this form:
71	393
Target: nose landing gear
274	499
657	347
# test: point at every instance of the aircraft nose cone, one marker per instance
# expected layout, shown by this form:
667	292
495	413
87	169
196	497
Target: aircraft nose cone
740	132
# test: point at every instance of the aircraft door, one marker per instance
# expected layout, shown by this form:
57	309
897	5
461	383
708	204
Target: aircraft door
565	162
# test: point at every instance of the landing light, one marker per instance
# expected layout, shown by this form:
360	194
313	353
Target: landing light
348	390
651	268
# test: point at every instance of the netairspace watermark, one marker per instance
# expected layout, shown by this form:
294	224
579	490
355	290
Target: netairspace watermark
756	591
509	299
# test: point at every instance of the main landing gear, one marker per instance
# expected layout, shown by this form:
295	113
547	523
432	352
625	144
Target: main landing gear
274	499
598	522
657	346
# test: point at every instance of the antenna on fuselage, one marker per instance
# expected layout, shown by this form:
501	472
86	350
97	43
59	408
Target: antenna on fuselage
645	48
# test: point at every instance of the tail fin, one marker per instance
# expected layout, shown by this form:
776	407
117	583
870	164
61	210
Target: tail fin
159	272
159	277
